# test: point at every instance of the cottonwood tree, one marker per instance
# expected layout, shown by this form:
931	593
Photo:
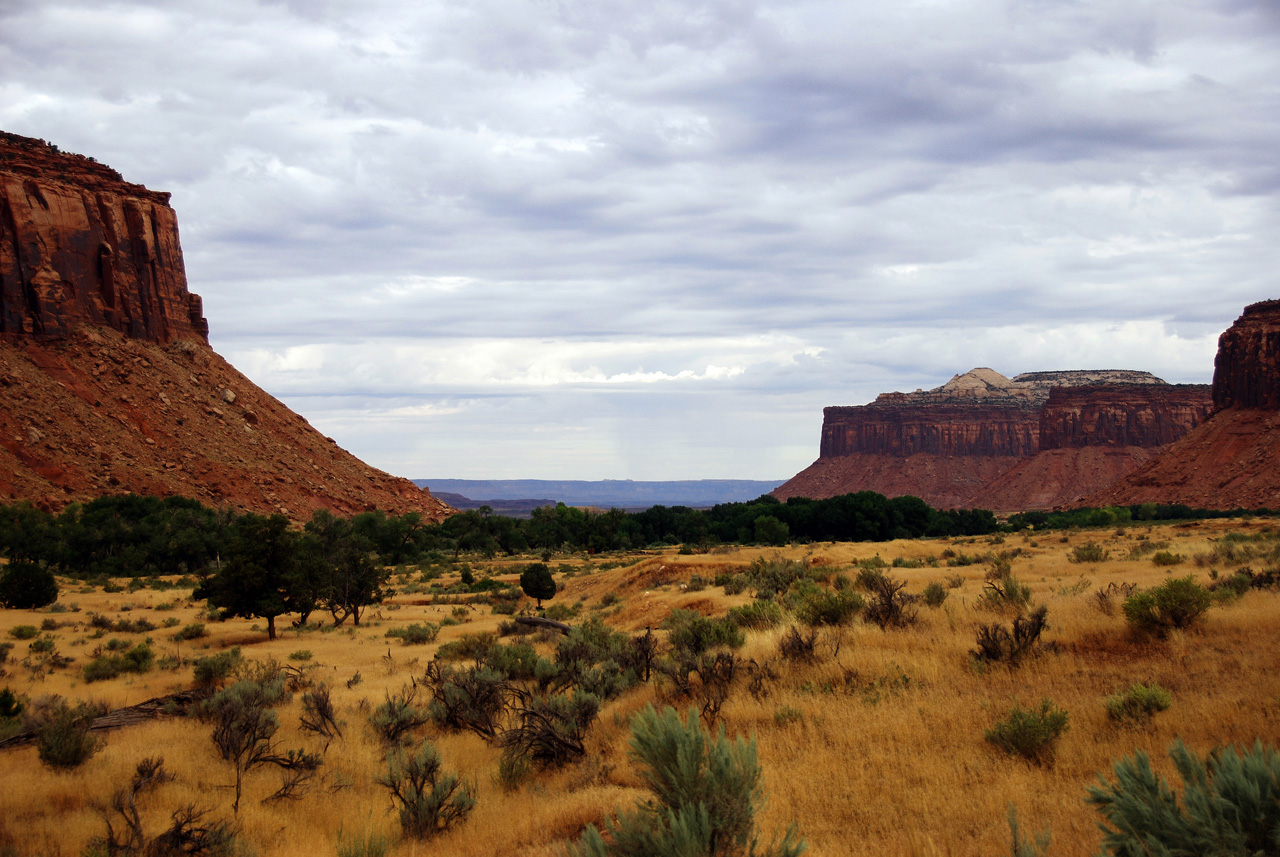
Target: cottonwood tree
537	582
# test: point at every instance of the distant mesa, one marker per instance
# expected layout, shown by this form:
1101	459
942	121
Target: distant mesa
107	382
1037	440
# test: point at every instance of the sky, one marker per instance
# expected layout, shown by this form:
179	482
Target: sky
591	239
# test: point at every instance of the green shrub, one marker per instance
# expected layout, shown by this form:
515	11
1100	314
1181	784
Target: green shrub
24	632
139	659
821	607
1230	804
397	716
430	801
368	844
42	646
1165	558
63	740
1004	592
695	634
706	792
301	655
10	705
1138	703
415	634
934	594
1030	733
1088	552
1177	603
998	644
758	615
214	670
696	583
193	631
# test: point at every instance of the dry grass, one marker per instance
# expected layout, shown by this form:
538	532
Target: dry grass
877	750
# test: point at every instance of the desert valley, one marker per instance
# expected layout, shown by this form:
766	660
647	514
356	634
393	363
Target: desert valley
941	638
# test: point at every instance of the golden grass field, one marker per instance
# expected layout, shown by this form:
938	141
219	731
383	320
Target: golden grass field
878	749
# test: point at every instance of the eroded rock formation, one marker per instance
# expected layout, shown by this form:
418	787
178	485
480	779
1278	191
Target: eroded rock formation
983	439
1230	460
107	382
79	245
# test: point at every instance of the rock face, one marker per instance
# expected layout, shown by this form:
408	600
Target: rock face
1246	372
1229	461
79	245
107	382
973	441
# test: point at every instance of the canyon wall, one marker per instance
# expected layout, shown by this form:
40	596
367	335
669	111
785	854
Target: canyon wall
79	245
107	382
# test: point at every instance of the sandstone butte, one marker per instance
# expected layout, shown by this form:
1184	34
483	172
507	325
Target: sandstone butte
107	381
1232	460
1038	440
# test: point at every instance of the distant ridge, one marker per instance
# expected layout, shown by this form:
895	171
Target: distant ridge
622	493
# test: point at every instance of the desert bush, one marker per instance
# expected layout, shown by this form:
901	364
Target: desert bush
430	801
823	607
10	705
696	583
319	717
42	646
549	729
773	576
1177	603
795	646
397	716
1138	703
26	586
1004	592
1231	588
473	699
998	644
62	730
243	729
889	606
934	594
1166	558
193	631
693	633
758	615
1230	804
24	632
1088	552
138	659
706	792
213	671
1030	733
415	634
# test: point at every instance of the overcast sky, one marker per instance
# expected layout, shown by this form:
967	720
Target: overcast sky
652	240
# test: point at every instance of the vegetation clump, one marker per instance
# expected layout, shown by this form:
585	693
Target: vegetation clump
1230	804
430	801
62	730
706	792
1031	733
1177	603
1138	703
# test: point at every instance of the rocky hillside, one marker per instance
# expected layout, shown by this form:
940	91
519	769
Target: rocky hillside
1036	440
1230	460
107	381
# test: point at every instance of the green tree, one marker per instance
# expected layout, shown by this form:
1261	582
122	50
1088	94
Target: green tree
706	793
770	531
26	586
261	574
537	582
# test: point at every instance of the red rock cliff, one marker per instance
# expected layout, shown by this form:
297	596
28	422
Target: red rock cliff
1246	372
1122	414
79	245
107	382
943	429
1230	460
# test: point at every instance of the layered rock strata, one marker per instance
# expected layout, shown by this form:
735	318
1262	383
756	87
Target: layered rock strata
1036	440
79	245
1232	460
107	382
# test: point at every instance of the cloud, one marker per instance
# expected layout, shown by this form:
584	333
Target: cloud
658	238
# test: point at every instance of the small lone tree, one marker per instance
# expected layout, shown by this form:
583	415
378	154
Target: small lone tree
537	582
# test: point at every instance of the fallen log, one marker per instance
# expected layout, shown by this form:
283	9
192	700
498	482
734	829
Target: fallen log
175	704
539	622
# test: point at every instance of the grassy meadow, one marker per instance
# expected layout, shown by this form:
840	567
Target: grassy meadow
875	747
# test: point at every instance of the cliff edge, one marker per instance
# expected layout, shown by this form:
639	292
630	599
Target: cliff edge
107	381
